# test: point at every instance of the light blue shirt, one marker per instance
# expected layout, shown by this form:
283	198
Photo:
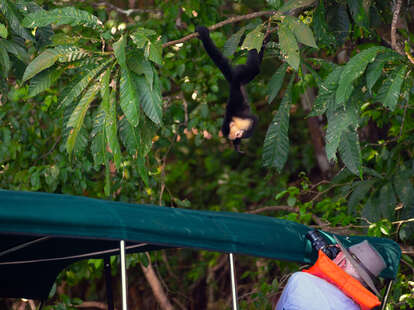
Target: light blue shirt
308	292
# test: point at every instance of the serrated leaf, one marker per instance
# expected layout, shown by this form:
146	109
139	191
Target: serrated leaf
139	39
387	201
119	51
129	136
3	31
339	23
17	50
83	83
354	69
326	94
389	93
233	42
350	152
78	115
302	31
43	81
361	190
40	63
276	82
65	16
338	121
13	17
141	66
155	52
128	97
111	131
276	144
289	46
294	4
254	39
151	102
70	53
320	27
4	61
98	145
375	69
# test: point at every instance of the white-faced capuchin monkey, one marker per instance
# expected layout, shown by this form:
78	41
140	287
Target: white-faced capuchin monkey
238	122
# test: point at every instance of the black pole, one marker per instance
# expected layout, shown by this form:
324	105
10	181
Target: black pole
108	282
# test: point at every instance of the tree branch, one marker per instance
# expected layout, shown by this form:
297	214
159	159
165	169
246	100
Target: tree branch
395	16
156	286
230	20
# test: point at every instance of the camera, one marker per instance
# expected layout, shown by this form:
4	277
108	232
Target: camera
318	243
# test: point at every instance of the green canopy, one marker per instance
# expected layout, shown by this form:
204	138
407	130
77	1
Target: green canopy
41	233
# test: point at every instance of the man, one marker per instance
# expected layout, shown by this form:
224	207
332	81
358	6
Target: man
307	291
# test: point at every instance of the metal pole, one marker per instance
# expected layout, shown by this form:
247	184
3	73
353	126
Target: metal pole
387	292
123	276
233	283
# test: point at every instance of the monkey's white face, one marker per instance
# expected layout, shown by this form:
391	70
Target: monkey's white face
238	126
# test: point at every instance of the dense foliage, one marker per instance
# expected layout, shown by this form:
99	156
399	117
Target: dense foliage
99	100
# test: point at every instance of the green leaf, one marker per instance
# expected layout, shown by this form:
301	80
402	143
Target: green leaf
83	83
65	16
128	97
326	95
350	152
98	145
254	39
154	54
71	53
5	64
374	71
338	122
276	82
17	50
294	4
119	51
276	144
233	42
111	130
78	115
141	66
387	201
389	93
354	69
360	192
3	31
302	31
13	17
141	36
151	101
129	136
320	27
40	63
43	81
289	46
358	12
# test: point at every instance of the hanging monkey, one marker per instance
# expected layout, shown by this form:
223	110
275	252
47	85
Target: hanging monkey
238	122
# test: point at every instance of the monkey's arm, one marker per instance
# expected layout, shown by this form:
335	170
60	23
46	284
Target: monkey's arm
245	73
221	62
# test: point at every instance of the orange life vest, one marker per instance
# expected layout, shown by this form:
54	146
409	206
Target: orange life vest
326	269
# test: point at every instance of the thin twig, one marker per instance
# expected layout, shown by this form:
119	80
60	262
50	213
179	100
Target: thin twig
395	16
230	20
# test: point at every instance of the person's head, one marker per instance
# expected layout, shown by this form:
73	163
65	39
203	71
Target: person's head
364	254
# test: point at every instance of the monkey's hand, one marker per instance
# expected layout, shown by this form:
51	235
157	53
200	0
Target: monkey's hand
203	32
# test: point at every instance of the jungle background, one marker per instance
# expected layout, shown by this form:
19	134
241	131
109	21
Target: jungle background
118	100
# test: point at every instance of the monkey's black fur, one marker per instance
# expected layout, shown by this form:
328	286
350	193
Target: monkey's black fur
238	76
